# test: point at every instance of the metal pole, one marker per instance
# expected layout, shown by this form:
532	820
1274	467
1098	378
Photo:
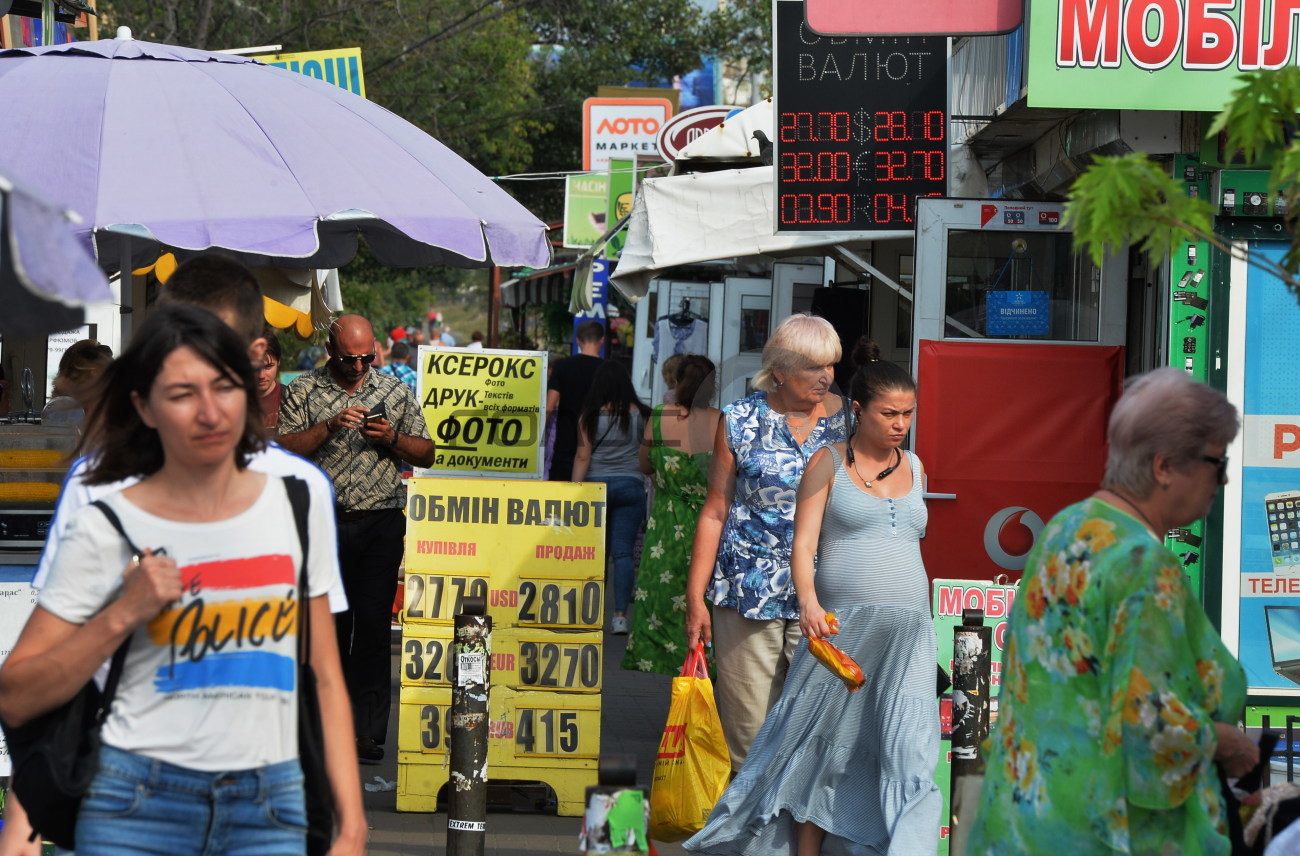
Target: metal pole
467	806
494	308
972	647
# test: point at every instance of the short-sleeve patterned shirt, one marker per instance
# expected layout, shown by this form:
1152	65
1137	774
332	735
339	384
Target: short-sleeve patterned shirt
366	477
752	572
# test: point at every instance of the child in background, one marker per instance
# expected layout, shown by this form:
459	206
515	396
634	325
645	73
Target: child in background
669	373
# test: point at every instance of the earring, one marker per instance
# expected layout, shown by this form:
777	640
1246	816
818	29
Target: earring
780	383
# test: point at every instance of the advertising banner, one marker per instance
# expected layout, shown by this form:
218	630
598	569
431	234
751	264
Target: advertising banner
599	304
1269	646
484	409
1006	469
948	599
1151	54
584	210
535	553
622	184
621	128
341	67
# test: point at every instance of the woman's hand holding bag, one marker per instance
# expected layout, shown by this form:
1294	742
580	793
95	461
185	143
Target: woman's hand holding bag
693	765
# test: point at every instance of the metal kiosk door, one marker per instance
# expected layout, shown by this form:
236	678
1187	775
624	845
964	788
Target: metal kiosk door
1018	355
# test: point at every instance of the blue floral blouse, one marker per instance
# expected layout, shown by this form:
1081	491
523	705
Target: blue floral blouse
752	572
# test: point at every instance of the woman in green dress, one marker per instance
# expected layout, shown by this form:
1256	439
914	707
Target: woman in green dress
675	449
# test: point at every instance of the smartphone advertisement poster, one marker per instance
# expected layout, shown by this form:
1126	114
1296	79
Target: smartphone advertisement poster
949	598
1269	485
485	411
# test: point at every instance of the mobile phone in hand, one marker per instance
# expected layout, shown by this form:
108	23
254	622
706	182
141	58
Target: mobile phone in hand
379	411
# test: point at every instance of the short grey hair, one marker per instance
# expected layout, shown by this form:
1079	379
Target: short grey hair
800	341
1163	412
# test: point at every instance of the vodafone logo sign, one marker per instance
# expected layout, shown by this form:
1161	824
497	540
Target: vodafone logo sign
1010	534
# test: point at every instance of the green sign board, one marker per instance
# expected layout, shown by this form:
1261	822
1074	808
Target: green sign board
1152	54
584	209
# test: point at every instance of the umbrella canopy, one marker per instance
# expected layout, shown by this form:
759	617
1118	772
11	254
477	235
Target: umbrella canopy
196	150
46	275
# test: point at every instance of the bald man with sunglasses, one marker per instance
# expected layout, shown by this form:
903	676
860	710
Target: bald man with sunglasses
359	426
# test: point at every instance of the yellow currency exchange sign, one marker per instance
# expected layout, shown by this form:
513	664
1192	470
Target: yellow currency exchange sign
485	410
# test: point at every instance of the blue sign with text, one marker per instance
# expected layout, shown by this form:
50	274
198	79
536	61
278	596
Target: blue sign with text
1019	313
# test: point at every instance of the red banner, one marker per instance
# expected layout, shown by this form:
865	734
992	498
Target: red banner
1017	432
915	18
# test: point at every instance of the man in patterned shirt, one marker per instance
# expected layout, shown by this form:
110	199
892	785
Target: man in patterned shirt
324	417
399	364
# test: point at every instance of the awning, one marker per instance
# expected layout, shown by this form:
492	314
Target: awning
547	285
683	219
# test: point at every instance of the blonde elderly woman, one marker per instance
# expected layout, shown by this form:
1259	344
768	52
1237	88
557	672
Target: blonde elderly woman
1118	696
740	561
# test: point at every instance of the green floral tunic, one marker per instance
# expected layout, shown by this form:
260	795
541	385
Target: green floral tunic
1112	680
658	639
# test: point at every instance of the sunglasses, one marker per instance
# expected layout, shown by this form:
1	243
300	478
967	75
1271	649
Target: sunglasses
347	359
1221	463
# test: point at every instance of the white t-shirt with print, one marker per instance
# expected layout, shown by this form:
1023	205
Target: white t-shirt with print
210	683
273	460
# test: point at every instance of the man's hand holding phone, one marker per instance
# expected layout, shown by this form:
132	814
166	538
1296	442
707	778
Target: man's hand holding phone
376	427
349	417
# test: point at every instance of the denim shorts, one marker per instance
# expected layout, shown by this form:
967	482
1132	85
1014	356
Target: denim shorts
137	805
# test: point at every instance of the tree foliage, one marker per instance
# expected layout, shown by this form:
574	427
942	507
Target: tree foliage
1133	200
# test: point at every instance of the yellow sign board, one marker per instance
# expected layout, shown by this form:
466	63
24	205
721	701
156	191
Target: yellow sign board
535	552
341	67
485	410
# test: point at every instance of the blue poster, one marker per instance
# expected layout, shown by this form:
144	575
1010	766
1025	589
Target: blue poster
1270	483
1018	313
599	300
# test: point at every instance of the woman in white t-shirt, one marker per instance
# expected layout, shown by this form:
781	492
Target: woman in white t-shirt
200	747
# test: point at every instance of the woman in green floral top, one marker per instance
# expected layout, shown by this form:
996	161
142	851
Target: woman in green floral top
1118	697
676	450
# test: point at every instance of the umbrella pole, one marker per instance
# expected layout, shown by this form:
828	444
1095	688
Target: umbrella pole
126	287
47	22
494	308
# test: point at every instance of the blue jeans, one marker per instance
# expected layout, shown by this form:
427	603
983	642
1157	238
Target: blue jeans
625	510
137	805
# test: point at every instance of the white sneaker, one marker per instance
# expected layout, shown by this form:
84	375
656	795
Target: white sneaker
618	626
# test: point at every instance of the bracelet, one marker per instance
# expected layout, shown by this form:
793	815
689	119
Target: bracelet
393	442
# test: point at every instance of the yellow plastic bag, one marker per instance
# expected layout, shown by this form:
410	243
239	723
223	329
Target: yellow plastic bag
693	766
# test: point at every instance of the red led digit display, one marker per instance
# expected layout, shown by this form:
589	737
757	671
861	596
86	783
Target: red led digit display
861	127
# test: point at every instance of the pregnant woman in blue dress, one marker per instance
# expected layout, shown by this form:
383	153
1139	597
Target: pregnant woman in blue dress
833	772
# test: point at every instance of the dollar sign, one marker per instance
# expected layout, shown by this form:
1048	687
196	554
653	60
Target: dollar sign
861	126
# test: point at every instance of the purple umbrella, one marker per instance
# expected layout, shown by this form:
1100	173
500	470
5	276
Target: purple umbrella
195	150
46	276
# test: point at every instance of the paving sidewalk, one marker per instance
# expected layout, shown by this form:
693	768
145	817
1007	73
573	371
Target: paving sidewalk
634	709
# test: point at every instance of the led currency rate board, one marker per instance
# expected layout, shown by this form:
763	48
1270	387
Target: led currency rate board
861	127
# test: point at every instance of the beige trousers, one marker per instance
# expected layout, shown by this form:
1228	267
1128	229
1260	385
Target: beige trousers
752	656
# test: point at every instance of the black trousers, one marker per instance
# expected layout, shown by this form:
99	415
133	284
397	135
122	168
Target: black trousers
370	553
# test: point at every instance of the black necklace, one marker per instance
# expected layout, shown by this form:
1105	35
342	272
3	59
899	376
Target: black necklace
883	473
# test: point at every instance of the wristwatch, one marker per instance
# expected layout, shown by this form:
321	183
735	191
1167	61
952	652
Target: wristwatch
393	442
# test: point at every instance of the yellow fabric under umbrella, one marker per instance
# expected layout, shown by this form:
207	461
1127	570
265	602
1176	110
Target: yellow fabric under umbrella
281	316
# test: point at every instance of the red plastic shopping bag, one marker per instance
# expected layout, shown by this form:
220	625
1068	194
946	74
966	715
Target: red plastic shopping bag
693	766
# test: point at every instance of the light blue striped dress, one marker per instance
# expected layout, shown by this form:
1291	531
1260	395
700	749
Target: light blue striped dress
860	765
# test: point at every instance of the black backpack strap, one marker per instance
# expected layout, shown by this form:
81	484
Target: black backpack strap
117	524
300	501
119	656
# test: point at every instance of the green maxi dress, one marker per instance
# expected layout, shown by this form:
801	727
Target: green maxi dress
658	639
